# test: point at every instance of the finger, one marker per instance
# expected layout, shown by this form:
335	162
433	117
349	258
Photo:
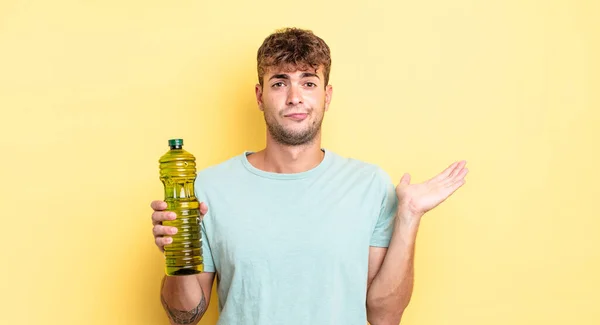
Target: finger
459	167
158	205
459	178
444	174
462	174
456	186
159	216
405	180
162	241
159	230
203	208
452	177
450	182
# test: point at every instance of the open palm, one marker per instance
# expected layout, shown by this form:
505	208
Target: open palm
422	197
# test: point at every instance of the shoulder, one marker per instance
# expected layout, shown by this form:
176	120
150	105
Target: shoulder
371	179
221	171
362	168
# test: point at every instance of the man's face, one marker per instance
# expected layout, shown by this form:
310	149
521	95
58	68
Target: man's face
293	103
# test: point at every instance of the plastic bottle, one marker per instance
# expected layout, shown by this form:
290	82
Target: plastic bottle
178	173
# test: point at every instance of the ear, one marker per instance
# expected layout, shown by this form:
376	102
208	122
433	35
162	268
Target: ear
328	94
259	92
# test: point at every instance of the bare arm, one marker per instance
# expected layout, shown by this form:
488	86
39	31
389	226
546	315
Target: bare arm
391	276
391	272
186	298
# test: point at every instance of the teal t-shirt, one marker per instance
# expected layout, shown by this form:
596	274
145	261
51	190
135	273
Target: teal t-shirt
293	248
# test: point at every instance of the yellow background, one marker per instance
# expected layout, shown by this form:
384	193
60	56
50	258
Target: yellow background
90	91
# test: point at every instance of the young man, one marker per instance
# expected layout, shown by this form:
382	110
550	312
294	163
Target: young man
295	233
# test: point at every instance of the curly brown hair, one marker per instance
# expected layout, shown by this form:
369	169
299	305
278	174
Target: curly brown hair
292	48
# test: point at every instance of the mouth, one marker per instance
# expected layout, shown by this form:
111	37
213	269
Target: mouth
296	116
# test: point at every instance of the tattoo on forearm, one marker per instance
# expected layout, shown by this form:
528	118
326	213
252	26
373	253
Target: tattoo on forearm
185	316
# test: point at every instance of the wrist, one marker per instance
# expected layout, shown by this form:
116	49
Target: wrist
407	217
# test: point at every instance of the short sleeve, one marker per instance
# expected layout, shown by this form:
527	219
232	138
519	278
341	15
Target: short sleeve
209	264
384	225
207	257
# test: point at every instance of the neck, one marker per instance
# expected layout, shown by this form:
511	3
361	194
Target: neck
284	159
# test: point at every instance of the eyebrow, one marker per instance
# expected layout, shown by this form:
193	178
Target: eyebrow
287	77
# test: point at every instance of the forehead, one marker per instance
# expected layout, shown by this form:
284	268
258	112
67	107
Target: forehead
293	69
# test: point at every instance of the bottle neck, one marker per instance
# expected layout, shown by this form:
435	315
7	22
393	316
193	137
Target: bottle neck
175	147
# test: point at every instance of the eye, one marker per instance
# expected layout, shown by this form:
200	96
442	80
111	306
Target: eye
278	84
311	84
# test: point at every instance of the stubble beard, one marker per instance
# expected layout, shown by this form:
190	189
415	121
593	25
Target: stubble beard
290	137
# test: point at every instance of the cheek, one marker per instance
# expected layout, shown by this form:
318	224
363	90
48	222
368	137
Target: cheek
273	100
317	102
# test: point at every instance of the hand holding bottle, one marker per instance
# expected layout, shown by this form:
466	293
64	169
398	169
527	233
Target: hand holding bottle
162	234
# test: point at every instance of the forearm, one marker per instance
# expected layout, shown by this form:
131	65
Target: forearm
391	289
183	299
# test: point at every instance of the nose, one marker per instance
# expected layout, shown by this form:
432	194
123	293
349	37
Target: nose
294	96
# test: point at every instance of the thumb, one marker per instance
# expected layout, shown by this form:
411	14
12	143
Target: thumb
405	180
